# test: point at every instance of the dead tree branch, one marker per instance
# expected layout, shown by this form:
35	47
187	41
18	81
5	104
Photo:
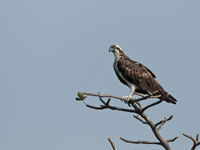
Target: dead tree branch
161	140
143	97
162	122
139	142
146	142
172	140
151	105
109	107
195	141
137	109
112	144
138	118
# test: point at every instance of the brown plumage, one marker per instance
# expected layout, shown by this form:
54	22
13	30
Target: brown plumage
136	76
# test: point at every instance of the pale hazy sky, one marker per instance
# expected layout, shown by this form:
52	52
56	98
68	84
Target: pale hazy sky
51	49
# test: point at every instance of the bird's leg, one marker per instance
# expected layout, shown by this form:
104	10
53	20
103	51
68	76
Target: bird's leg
130	96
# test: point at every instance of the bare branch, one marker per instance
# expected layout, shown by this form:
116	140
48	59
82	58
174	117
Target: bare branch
139	142
162	141
172	140
151	105
112	144
138	118
80	97
94	107
110	107
190	137
140	106
116	97
197	137
165	120
162	122
105	103
138	110
146	142
196	141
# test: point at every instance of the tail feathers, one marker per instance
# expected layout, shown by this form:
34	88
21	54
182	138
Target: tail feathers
168	98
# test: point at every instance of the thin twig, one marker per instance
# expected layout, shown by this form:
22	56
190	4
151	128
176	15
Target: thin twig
112	144
165	120
146	142
94	107
190	137
162	122
110	107
138	118
139	142
151	105
196	141
172	140
197	137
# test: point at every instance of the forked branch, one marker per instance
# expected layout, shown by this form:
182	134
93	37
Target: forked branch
140	119
101	107
195	141
138	110
160	124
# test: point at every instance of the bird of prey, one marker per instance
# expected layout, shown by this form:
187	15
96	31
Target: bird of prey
137	77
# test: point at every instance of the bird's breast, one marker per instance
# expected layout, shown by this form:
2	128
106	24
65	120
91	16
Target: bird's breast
119	73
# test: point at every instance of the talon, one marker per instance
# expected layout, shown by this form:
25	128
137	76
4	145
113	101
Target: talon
125	97
129	103
129	98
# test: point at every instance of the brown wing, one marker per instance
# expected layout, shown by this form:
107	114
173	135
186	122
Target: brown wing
139	75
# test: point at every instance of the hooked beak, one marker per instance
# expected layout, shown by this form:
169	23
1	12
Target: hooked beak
111	50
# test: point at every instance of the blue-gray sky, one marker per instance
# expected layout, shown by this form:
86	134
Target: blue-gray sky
51	49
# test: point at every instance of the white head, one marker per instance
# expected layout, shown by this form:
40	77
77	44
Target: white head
117	51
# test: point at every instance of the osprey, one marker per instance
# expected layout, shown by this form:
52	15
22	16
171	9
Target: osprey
137	77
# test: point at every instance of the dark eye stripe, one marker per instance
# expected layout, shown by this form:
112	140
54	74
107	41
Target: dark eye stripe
115	47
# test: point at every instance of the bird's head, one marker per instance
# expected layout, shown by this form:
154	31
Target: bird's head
117	51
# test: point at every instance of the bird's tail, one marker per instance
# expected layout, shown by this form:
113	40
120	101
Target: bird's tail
168	98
